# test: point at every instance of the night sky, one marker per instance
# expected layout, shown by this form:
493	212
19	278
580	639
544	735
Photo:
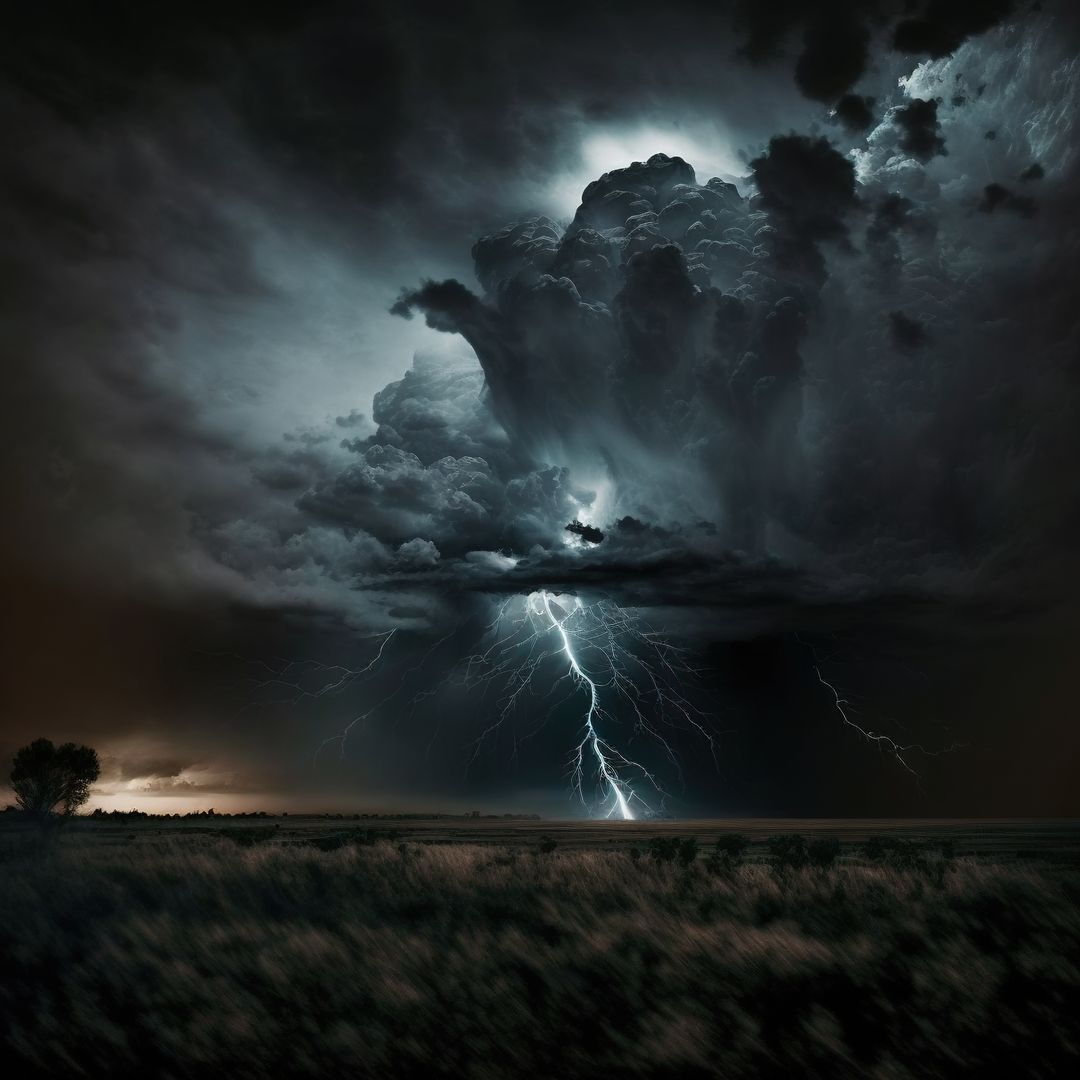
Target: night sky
320	322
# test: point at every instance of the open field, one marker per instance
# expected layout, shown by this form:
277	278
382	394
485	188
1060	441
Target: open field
1045	839
197	951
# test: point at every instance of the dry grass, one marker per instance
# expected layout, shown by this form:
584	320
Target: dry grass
200	958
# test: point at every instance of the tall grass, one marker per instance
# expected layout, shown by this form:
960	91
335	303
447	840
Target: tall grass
183	960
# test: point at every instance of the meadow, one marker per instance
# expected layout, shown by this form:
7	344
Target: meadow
251	954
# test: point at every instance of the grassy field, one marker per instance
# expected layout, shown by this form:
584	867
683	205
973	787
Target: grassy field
1007	839
160	952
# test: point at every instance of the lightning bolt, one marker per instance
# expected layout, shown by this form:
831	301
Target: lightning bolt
606	770
342	736
290	676
607	653
842	706
846	710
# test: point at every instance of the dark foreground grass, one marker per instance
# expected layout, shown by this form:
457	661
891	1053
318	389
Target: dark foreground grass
183	960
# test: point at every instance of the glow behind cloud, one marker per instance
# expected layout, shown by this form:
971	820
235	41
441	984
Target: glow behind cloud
706	145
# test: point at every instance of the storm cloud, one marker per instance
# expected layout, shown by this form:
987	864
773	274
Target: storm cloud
809	364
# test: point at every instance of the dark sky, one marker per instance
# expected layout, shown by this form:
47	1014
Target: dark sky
316	335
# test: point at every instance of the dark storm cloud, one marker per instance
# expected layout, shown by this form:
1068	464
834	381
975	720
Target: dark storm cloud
920	131
457	503
895	216
438	410
717	297
997	197
644	249
151	768
707	371
833	39
808	189
834	56
152	148
645	576
907	333
854	112
942	26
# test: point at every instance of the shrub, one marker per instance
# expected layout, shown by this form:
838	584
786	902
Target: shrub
687	851
664	849
824	851
732	846
896	851
728	853
876	848
788	851
547	845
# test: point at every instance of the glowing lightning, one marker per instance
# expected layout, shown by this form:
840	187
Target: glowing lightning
842	706
592	738
884	742
291	678
607	652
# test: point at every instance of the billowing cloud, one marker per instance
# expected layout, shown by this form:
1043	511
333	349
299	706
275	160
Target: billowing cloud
942	26
855	112
920	132
692	327
833	39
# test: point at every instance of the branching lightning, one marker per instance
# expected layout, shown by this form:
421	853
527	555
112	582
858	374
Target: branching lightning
604	755
295	680
342	736
605	651
845	708
884	742
542	652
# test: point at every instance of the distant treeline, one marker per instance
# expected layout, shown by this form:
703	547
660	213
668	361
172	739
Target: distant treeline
129	815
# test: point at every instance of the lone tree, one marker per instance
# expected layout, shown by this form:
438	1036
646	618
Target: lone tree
50	779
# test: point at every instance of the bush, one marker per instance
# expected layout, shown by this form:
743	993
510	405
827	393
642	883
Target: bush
664	849
903	854
732	846
728	853
687	852
824	851
547	845
876	848
788	851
